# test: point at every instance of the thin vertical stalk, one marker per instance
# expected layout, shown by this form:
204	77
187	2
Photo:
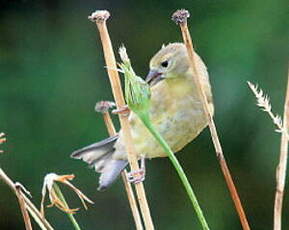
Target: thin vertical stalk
132	201
23	208
109	124
282	166
103	108
180	17
100	17
70	215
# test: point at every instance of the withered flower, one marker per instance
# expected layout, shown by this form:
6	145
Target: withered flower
55	195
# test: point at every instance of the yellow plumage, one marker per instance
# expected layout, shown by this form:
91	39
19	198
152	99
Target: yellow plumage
176	112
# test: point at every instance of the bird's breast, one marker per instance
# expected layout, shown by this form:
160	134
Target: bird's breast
176	113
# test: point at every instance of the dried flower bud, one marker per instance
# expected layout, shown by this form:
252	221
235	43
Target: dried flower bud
99	16
55	199
180	16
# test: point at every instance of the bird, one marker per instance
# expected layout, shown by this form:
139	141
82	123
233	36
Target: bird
176	111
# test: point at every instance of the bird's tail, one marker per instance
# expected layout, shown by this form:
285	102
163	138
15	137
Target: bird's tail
100	157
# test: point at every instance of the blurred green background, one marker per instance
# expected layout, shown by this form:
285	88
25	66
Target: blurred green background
52	73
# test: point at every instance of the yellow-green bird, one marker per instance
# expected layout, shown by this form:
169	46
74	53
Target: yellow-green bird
176	111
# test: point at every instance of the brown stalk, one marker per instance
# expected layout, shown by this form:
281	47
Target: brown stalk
28	204
100	17
282	166
104	109
23	208
180	18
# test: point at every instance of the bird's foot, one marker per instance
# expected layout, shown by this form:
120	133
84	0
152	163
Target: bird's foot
123	111
138	175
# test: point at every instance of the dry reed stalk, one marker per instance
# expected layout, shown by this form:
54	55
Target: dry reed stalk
180	18
28	204
100	17
103	107
282	166
132	201
23	207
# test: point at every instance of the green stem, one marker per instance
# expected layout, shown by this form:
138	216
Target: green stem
145	119
70	215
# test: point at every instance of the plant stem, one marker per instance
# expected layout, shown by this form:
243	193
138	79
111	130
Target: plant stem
180	17
145	119
129	190
100	17
282	166
42	222
127	185
23	208
132	201
70	215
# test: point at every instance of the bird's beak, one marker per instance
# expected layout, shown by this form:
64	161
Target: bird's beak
153	77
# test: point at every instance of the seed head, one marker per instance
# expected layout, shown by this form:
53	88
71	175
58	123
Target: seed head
180	16
137	91
99	16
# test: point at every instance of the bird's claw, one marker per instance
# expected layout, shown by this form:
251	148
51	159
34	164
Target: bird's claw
138	175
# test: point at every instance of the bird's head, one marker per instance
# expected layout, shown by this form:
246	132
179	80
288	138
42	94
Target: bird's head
170	61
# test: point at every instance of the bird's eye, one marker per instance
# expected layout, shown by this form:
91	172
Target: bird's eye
165	64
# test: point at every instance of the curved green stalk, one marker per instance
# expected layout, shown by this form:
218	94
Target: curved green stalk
70	215
146	120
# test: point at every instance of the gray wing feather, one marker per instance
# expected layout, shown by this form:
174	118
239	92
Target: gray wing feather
96	152
110	172
100	157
